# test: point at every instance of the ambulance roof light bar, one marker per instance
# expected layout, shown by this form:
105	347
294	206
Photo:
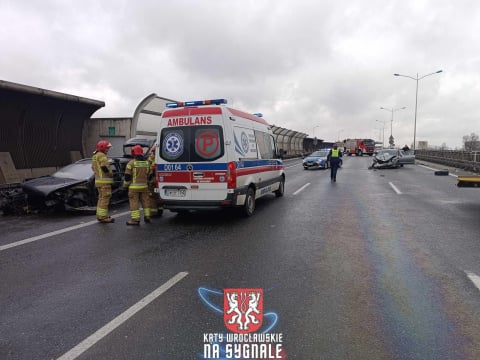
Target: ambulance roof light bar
176	104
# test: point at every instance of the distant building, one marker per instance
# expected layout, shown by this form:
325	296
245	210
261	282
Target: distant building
422	145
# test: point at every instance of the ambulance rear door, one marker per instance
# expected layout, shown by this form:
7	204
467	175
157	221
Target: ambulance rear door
192	161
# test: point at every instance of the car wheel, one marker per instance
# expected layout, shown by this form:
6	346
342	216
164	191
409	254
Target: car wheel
78	199
249	206
305	168
281	188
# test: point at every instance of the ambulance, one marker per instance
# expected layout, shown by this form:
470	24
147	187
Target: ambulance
212	156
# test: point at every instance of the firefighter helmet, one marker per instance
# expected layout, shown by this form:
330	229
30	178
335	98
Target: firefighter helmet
137	150
103	145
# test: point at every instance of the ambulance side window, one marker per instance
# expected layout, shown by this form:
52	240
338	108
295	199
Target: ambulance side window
265	146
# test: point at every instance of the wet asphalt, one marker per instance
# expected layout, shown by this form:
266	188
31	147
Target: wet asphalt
378	265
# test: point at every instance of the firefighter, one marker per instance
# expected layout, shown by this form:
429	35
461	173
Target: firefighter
136	179
154	201
334	158
103	180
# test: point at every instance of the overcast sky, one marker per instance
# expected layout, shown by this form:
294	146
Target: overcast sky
320	67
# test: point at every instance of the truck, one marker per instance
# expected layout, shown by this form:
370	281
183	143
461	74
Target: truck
359	147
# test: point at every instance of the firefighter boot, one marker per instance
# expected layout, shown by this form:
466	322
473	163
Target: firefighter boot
133	222
146	219
106	220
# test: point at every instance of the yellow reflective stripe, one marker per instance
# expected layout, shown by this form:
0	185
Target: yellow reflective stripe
102	212
104	181
140	163
138	187
135	214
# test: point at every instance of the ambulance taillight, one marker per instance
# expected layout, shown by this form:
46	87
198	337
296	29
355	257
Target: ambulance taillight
231	175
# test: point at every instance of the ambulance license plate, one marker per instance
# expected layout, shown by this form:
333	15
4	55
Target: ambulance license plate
175	192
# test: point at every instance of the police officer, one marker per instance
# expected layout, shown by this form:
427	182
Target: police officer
154	201
334	157
103	180
136	179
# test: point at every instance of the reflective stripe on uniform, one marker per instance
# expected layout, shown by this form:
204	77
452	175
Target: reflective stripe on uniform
135	214
104	181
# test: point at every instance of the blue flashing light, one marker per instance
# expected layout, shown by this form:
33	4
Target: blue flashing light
258	114
196	103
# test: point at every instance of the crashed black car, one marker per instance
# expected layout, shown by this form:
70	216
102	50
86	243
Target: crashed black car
73	187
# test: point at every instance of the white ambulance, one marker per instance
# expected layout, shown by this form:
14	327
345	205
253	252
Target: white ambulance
212	156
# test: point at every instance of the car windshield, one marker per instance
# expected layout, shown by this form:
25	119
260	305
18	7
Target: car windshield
78	171
320	153
387	152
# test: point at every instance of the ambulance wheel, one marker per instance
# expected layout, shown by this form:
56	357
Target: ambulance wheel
281	188
249	206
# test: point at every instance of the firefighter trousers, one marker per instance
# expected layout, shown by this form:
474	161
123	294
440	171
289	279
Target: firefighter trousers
137	197
104	195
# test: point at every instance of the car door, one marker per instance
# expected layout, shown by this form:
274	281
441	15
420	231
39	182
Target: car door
407	157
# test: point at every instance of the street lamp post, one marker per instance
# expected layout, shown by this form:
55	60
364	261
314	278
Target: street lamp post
313	131
383	132
416	101
392	110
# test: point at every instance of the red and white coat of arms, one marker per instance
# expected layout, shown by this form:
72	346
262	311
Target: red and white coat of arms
243	309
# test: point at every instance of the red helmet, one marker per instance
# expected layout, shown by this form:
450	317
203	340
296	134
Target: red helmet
137	150
103	145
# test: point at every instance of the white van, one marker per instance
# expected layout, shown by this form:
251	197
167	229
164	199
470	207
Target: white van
212	156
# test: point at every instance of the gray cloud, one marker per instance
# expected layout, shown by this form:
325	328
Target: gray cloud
300	63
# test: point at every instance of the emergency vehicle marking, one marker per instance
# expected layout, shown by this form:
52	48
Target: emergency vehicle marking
244	140
181	174
173	144
189	111
207	144
246	146
186	121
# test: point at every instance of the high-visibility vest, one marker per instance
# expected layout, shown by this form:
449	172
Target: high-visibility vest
99	159
335	153
139	169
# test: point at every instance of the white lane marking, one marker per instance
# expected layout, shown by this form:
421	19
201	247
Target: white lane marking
119	320
395	188
56	232
302	188
474	278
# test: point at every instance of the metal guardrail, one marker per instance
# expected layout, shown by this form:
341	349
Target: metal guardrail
466	160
